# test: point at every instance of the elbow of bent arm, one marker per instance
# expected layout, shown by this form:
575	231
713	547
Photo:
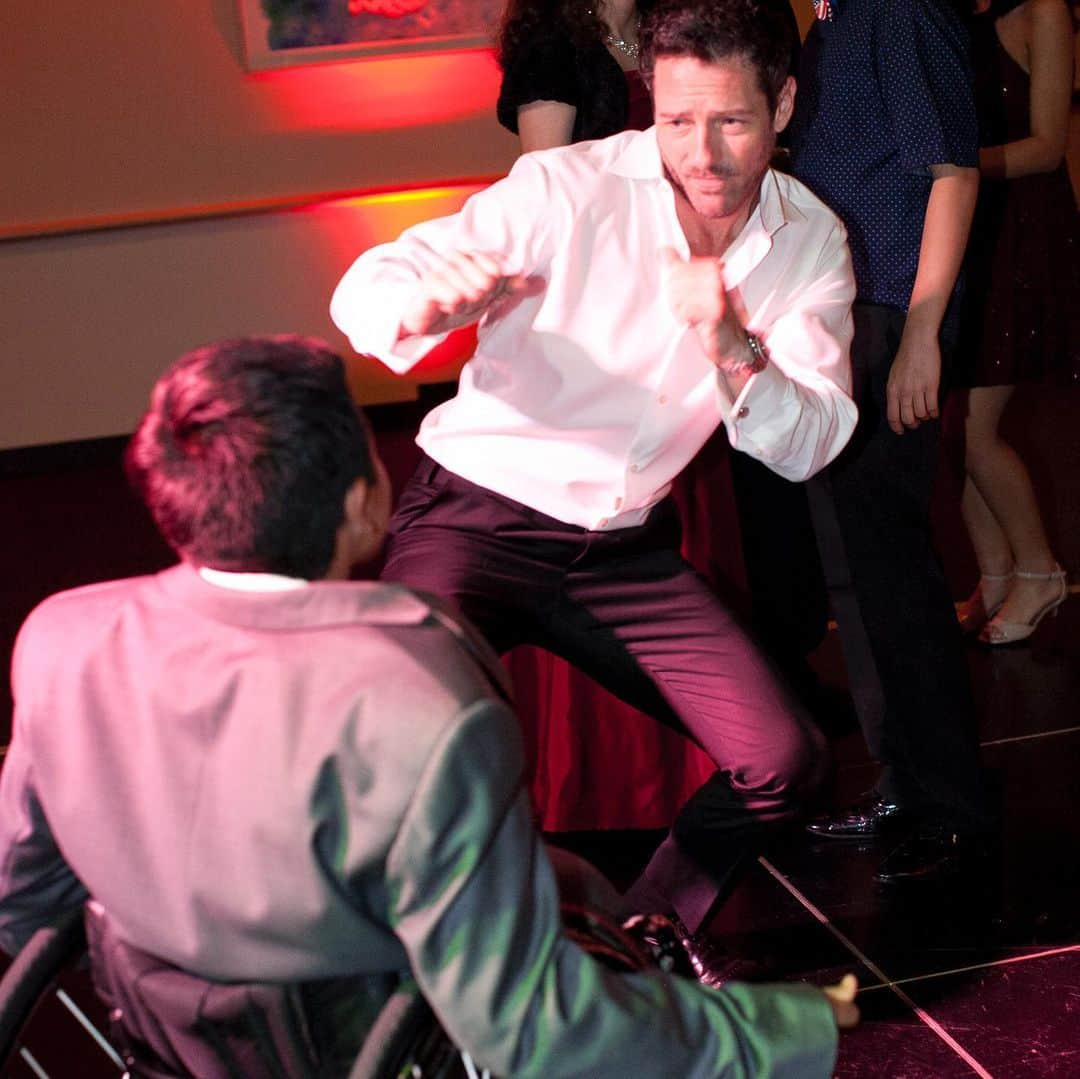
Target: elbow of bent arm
828	432
1050	154
369	315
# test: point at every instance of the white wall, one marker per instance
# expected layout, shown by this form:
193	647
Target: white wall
133	111
124	106
91	320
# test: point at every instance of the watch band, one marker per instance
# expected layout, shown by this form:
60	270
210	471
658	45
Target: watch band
758	352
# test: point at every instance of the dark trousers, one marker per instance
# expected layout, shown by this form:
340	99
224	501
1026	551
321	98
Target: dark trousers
625	608
789	601
894	611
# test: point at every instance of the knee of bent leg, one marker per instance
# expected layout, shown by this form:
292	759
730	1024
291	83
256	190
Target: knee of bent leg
798	763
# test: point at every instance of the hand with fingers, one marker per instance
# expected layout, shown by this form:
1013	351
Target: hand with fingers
914	381
695	290
457	289
842	998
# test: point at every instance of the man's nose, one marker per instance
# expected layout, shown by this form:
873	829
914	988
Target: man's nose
706	148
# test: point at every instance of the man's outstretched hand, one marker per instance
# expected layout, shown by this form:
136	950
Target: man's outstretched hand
457	290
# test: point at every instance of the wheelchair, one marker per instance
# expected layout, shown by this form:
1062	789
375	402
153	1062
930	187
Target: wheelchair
405	1041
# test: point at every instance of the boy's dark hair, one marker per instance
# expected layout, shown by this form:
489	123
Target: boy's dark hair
759	31
246	453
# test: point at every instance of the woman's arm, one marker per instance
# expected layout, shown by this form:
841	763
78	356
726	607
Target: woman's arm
544	124
1050	49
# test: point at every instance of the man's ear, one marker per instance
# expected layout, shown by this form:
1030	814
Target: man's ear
785	105
355	541
356	498
367	513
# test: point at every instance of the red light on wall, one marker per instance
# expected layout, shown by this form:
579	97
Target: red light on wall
377	94
343	227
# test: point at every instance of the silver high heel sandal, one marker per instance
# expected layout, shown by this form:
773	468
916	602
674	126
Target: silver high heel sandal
972	613
1001	633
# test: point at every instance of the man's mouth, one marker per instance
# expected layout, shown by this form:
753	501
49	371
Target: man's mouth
710	183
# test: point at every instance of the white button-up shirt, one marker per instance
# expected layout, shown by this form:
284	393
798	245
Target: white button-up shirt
587	395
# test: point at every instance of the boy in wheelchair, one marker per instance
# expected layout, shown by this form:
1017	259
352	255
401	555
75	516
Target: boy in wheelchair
272	778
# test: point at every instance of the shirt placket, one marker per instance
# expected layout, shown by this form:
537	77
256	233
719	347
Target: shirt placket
653	430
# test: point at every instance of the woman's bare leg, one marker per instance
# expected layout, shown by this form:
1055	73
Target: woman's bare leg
1001	505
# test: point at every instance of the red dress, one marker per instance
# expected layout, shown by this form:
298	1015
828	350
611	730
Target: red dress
640	111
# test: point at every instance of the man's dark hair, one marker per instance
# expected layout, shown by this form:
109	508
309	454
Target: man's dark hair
246	454
758	31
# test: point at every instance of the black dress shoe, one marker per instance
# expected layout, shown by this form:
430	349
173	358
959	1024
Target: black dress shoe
867	818
933	851
662	939
711	964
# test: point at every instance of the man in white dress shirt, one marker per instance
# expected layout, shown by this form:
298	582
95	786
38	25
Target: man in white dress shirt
633	293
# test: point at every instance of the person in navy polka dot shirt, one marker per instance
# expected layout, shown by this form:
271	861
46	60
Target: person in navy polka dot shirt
885	133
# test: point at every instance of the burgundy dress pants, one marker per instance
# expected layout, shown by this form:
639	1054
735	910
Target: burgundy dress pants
628	610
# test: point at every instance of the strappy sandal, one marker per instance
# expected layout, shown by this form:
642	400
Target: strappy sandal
972	613
997	633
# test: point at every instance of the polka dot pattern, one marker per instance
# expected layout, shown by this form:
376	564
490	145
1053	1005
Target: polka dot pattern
884	93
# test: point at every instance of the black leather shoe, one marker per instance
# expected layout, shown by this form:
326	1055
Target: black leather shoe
869	817
932	852
712	965
663	940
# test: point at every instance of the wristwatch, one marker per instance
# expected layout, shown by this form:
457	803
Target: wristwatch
759	354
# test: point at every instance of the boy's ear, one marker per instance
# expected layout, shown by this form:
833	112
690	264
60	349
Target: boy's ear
785	105
356	498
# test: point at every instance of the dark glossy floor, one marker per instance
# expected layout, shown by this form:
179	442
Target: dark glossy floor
974	977
970	977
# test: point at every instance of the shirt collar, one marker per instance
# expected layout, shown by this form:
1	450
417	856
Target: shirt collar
640	158
755	241
311	604
251	582
772	208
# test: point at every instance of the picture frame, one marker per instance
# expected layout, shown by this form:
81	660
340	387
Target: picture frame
287	33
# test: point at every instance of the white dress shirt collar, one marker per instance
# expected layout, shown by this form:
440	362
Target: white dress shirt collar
251	582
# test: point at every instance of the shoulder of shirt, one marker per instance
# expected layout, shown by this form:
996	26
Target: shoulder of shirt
802	206
432	667
438	645
90	609
596	157
426	660
92	601
936	13
61	622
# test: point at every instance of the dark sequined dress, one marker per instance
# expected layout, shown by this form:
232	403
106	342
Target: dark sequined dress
1022	308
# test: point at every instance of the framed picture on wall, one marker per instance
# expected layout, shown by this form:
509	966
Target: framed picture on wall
283	33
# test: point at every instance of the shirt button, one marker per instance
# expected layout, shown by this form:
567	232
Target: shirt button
635	468
662	398
743	413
